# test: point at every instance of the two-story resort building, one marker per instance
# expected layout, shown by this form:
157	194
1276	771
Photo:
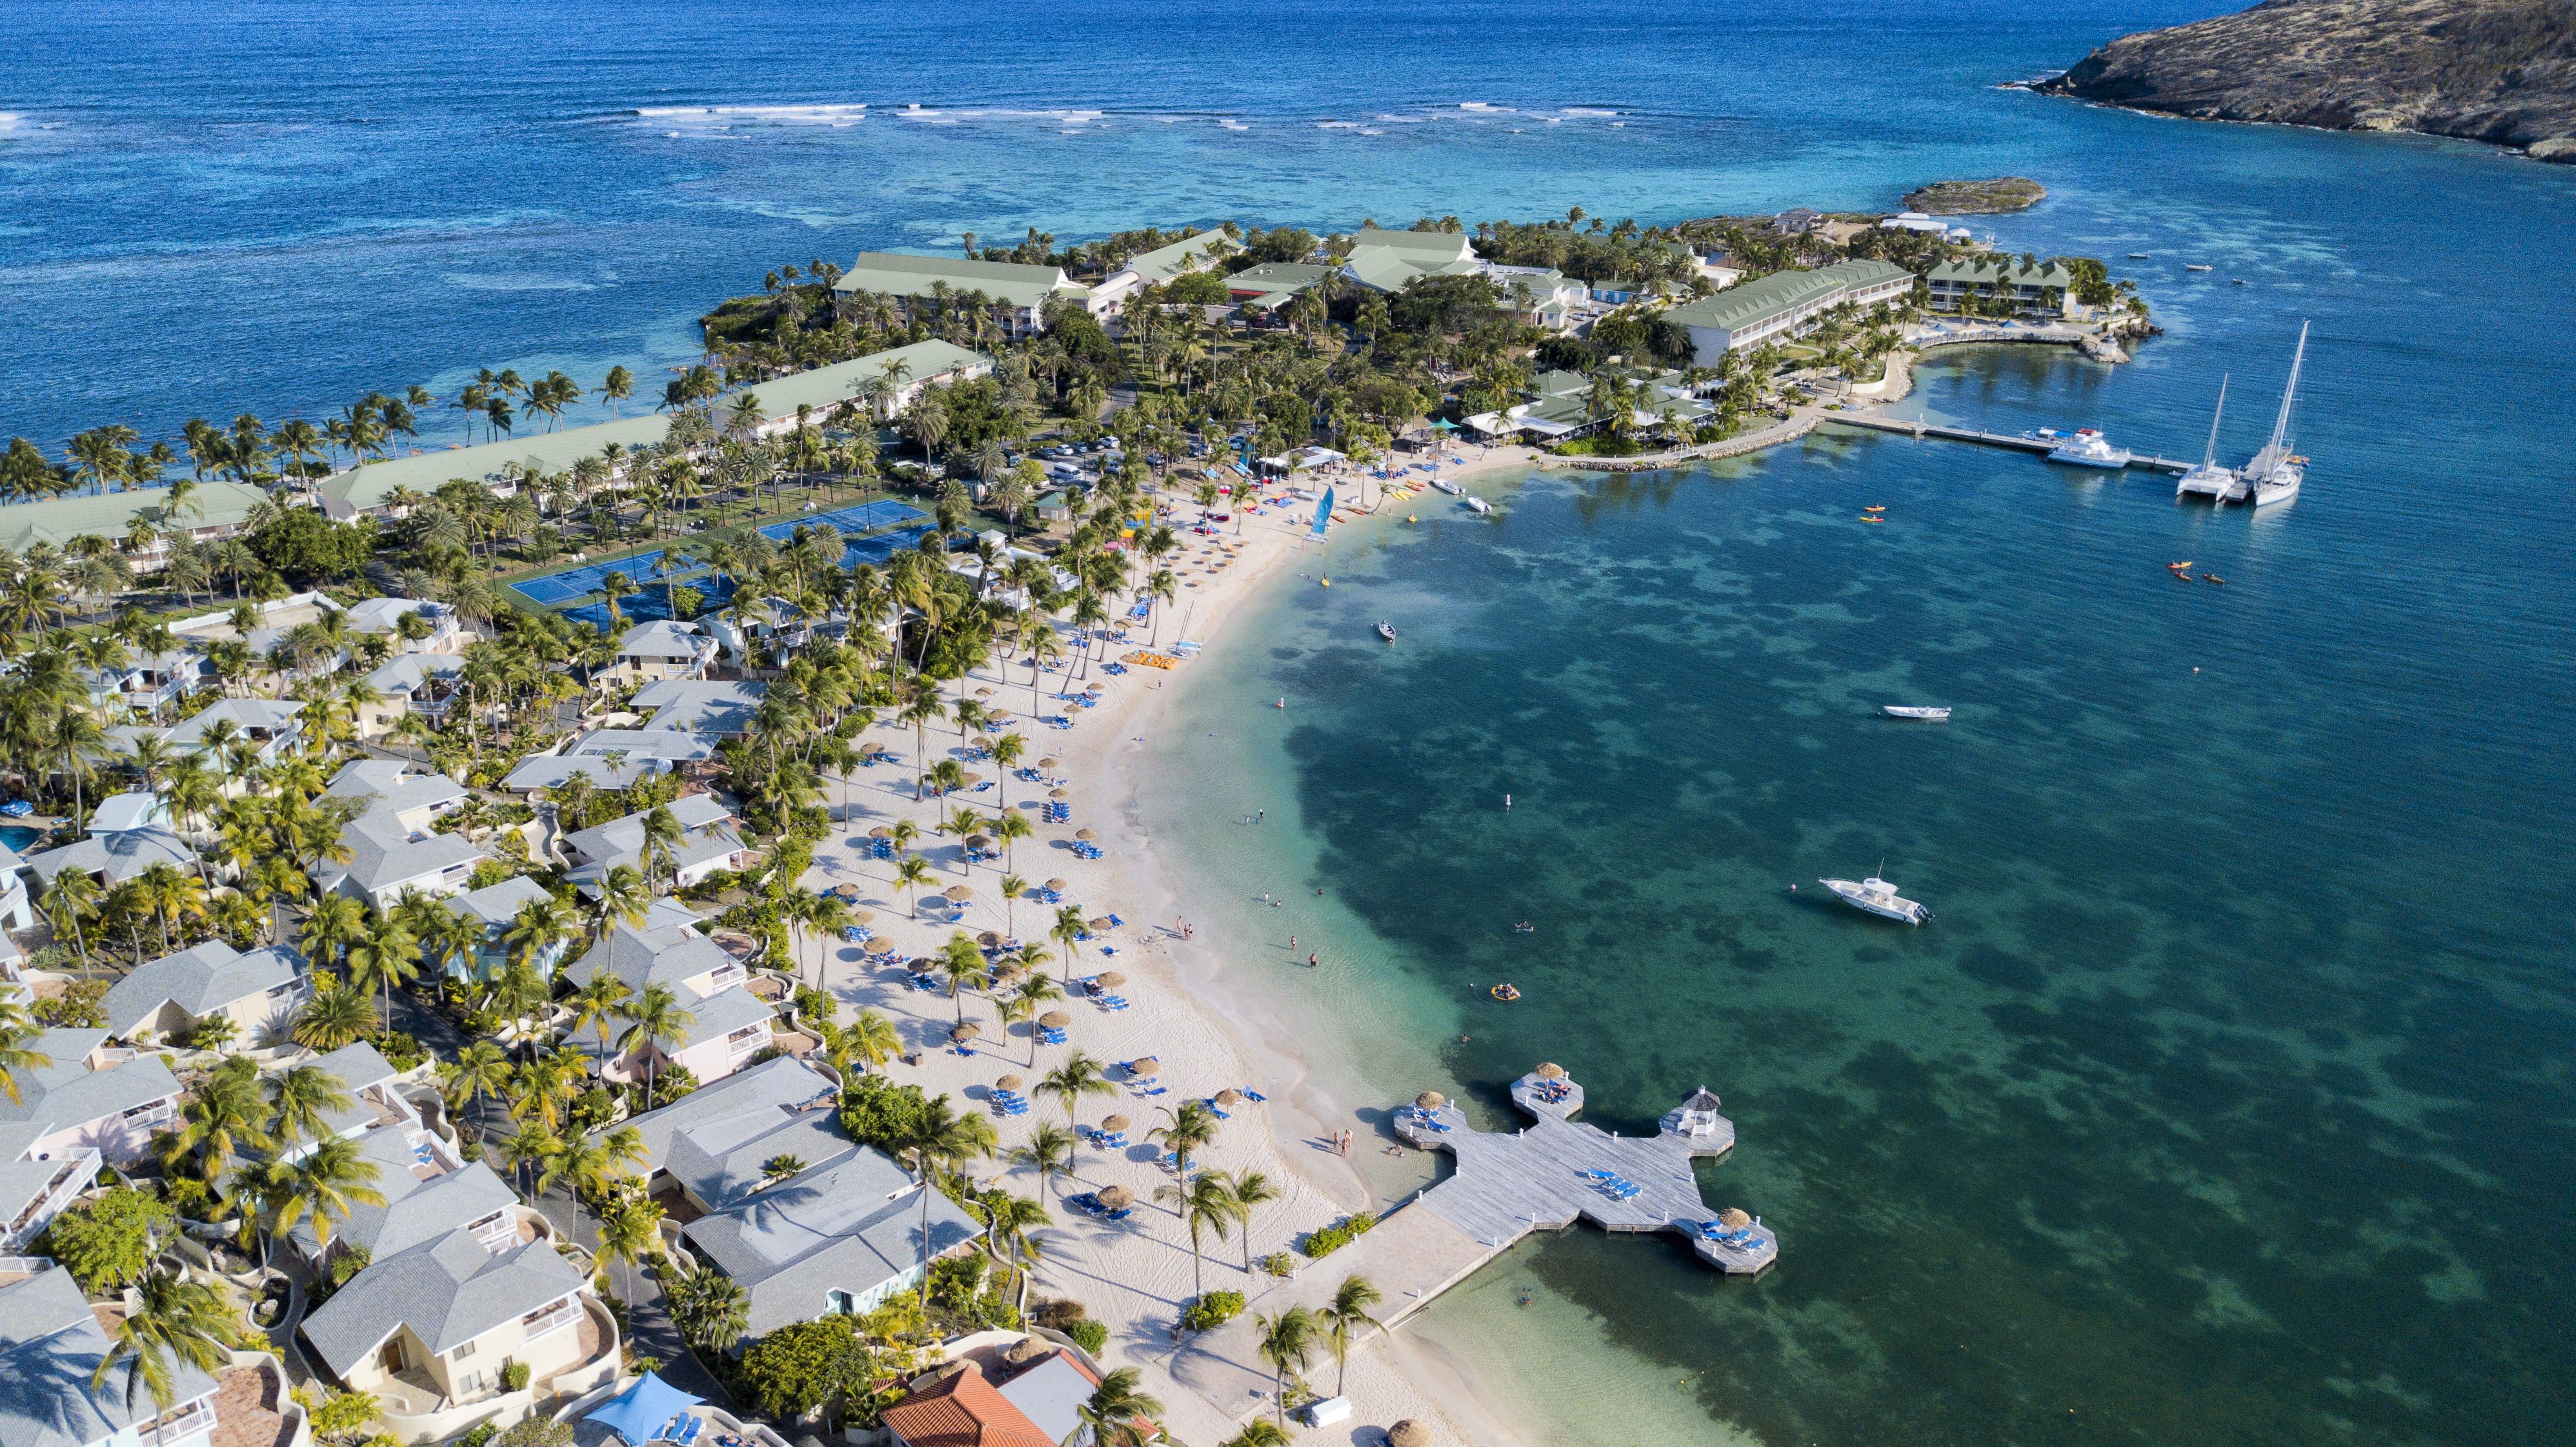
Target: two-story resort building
57	1388
90	1098
256	992
708	842
214	509
728	1024
1159	267
1018	292
1783	305
395	846
2042	291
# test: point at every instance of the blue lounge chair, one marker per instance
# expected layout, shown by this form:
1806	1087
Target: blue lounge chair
1251	1094
1157	1090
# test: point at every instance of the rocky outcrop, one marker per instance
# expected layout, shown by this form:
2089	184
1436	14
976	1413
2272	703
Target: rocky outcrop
2502	71
1976	198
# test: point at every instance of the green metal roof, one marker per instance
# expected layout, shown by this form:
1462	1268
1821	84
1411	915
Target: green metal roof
1383	268
1429	245
902	273
1278	276
1165	262
1755	302
825	388
373	484
1989	270
58	520
1858	274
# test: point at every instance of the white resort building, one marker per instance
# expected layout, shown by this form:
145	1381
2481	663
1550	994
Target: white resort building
1784	304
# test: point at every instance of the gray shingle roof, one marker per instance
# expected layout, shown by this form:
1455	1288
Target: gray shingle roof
357	1067
384	854
720	1161
667	745
552	771
694	706
49	1346
68	1093
852	1226
407	675
448	1291
119	856
414	1210
499	904
755	1100
199	981
705	835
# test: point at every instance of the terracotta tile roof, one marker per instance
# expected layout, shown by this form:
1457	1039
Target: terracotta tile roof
962	1411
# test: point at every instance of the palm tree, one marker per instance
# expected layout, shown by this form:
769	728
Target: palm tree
963	964
175	1317
591	1166
1117	1413
1285	1341
910	873
1192	1129
655	1017
385	955
336	1016
16	1054
630	1232
1007	1224
1078	1076
224	1116
941	1137
1345	1319
1205	1204
596	1004
1251	1189
1259	1432
324	1184
482	1070
1049	1152
303	1100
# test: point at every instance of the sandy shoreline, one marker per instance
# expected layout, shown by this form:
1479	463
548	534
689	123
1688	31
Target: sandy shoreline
1210	1027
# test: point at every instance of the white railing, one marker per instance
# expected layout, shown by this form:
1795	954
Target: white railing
562	1314
198	1416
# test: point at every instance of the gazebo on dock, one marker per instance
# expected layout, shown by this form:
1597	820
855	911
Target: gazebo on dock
1699	1115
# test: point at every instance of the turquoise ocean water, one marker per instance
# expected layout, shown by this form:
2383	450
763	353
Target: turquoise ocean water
2226	1099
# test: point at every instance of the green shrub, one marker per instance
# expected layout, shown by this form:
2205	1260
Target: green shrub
76	1007
1279	1263
1213	1310
1091	1336
478	1435
107	1243
514	1376
1341	1233
880	1114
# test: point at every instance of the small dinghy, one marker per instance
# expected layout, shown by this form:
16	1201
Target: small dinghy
1386	631
1479	505
1505	993
1926	713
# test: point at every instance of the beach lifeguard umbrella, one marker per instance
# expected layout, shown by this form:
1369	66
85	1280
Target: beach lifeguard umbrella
1009	1082
1117	1198
1733	1219
965	1030
1229	1096
1408	1433
1115	1124
1055	1020
1109	979
958	893
1086	835
1059	793
1549	1070
1057	884
1430	1100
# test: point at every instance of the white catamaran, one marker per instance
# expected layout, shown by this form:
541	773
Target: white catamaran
2276	472
2216	482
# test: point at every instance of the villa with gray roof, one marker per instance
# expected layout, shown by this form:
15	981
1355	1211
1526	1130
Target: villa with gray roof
427	684
1018	293
91	1097
753	1103
496	908
664	649
708	842
837	1238
728	1024
116	855
52	1345
37	1182
168	998
393	846
688	705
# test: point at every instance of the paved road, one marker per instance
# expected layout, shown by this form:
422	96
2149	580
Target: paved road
649	1325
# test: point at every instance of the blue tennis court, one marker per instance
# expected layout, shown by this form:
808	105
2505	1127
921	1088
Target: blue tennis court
715	591
883	546
572	583
867	517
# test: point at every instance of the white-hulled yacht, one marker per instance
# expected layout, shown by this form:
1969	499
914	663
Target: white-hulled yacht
2276	472
2089	448
2218	484
1878	897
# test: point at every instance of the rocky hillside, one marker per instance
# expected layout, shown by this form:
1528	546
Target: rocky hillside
2488	70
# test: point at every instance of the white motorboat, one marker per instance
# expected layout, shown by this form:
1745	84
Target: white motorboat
2276	472
1926	712
1878	897
2218	483
2089	448
1386	631
1442	484
2196	266
1479	505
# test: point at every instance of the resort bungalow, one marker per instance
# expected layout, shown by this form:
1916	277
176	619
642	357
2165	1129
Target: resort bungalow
707	843
688	1142
113	855
1158	267
663	649
2042	292
91	1097
1783	305
729	1024
462	1284
147	686
36	1183
427	684
52	1345
394	846
268	723
1265	288
438	631
1385	261
496	908
1540	296
377	1107
554	771
721	707
1018	293
836	1238
168	998
214	509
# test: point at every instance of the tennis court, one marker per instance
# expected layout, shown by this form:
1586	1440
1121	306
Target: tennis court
883	546
715	591
571	583
867	517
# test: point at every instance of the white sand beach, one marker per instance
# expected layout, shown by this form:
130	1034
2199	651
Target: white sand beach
1208	1028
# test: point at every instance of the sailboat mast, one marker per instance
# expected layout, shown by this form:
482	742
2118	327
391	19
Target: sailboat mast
2289	393
2209	455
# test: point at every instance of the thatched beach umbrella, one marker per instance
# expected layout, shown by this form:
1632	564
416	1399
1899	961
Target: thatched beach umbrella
1101	924
1054	1020
1000	715
1115	1124
965	1030
1086	835
958	893
1733	1219
979	841
863	916
983	742
882	831
1059	793
1046	763
1146	1067
1009	1082
989	940
1408	1433
1011	973
871	749
1430	1100
1117	1198
882	948
1549	1070
1058	884
1229	1097
1109	979
984	693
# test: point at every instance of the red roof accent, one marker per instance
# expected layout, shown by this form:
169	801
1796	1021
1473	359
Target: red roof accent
962	1411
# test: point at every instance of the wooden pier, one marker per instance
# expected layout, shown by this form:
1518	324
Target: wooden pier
1506	1186
1906	428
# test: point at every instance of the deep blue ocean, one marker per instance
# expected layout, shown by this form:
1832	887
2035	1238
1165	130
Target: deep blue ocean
2226	1101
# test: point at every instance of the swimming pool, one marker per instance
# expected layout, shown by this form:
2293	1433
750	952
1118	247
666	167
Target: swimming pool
19	836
